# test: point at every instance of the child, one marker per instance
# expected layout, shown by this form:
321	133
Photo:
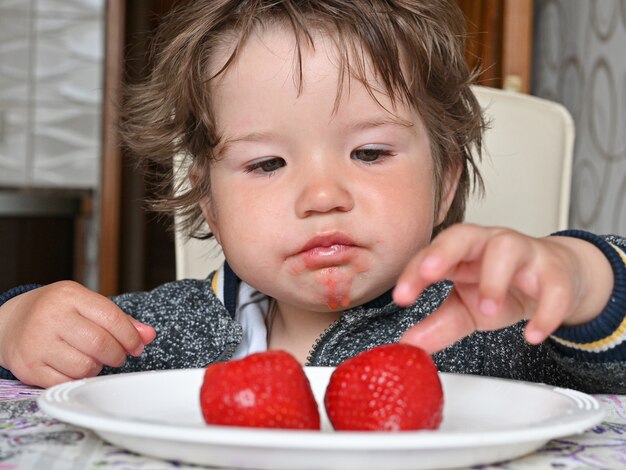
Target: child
328	142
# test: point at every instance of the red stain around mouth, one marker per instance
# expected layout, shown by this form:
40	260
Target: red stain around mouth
337	287
334	268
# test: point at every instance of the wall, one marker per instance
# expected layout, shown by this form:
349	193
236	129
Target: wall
51	74
580	61
50	92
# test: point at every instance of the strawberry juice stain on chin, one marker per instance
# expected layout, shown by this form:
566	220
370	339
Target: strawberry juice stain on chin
334	268
337	286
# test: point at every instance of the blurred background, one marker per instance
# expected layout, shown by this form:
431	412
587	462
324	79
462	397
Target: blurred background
72	202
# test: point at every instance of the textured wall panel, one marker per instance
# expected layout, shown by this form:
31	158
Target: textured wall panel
51	62
580	61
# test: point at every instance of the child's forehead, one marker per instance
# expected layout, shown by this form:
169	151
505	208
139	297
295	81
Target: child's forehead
258	105
279	40
284	50
302	59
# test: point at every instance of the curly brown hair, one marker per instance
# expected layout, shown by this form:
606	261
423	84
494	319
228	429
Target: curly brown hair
415	46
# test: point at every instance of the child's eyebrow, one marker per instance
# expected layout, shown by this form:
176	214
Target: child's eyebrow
250	137
351	126
378	122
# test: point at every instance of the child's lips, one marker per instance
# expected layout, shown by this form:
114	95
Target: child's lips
327	251
326	257
327	241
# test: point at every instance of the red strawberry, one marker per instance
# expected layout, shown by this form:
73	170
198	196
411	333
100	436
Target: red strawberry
394	387
263	390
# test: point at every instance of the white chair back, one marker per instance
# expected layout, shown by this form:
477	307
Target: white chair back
527	163
195	259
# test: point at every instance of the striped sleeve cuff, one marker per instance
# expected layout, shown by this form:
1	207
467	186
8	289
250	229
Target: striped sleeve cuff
603	339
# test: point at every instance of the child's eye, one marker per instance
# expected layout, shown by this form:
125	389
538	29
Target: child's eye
266	166
370	155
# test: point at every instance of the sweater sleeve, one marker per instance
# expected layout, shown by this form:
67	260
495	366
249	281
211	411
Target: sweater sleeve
5	297
603	338
15	291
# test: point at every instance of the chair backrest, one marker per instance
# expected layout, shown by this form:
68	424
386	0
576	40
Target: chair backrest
195	259
526	168
526	165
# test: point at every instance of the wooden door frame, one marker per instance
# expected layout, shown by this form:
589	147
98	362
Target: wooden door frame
500	41
517	45
110	189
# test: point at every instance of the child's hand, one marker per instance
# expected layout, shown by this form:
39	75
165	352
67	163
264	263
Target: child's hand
64	331
501	277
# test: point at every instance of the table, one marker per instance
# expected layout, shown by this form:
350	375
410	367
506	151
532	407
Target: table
32	440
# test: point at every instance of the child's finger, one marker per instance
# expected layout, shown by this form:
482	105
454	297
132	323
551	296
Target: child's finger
554	303
146	332
451	322
93	341
42	376
110	317
49	377
410	284
459	243
71	362
456	244
504	255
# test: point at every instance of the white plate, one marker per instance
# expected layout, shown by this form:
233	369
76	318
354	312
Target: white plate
485	420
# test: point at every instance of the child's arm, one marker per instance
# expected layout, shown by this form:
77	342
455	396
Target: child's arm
501	277
64	331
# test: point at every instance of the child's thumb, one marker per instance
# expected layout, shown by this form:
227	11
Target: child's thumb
146	332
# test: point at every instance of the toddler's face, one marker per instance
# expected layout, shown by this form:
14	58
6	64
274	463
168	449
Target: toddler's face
316	207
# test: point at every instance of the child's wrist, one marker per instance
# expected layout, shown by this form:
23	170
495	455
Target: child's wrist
608	329
591	276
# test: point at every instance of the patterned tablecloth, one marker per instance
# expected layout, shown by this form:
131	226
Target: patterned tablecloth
32	440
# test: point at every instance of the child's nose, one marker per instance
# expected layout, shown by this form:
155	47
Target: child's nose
323	193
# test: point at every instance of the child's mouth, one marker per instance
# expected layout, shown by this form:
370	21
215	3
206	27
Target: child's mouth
327	250
327	256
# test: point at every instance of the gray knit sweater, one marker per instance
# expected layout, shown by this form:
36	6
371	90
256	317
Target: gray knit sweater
194	329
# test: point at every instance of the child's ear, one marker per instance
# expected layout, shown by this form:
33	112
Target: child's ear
450	184
208	211
211	218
